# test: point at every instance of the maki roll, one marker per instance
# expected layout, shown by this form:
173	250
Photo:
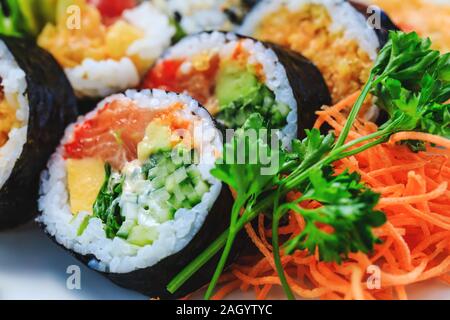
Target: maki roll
104	52
129	190
205	15
331	33
36	104
234	77
429	18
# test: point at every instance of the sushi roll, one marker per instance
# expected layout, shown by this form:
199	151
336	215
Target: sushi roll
333	34
36	104
105	52
429	18
129	190
234	76
195	16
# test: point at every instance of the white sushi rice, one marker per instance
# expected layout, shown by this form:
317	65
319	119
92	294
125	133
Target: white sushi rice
224	44
101	78
117	255
198	15
14	84
344	18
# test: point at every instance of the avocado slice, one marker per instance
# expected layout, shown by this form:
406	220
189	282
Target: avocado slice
235	82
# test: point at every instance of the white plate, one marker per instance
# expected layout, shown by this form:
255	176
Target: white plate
33	267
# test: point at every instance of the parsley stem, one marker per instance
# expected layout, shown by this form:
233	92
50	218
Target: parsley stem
288	184
354	112
232	232
221	265
363	148
277	214
197	263
376	134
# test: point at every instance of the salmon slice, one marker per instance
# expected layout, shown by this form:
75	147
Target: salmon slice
116	130
199	84
112	135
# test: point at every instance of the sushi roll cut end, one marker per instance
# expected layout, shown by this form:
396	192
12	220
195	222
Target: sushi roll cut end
232	77
331	33
14	113
130	184
99	48
35	108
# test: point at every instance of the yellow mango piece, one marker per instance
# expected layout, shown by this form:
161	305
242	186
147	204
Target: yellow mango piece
85	178
158	136
119	37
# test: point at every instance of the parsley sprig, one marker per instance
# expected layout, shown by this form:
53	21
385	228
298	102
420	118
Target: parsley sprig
411	83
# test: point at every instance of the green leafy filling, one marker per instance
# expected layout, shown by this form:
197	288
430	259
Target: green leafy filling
241	94
106	206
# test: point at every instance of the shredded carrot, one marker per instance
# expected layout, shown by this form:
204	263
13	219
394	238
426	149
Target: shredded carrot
443	142
415	196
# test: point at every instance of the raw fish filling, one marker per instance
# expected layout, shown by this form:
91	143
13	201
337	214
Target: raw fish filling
231	88
149	184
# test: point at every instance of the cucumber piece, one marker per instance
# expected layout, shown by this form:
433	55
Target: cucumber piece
125	229
201	188
83	225
170	167
163	171
180	175
178	194
194	198
175	202
161	213
194	174
190	194
160	195
142	236
172	213
171	184
81	221
152	173
158	182
186	204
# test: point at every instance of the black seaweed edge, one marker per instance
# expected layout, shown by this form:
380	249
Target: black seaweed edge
152	281
387	24
306	81
52	106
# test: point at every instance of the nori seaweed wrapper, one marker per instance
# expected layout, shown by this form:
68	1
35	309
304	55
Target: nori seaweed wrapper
307	83
52	107
152	281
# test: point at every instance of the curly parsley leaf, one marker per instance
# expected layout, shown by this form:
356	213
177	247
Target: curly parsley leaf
251	165
311	149
346	209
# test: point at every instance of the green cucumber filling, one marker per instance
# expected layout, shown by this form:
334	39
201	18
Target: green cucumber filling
133	203
240	94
